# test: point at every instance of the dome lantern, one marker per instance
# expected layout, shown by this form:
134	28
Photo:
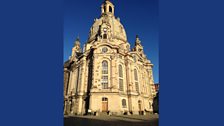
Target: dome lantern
107	8
107	27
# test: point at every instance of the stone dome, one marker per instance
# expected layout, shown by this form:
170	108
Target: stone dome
111	25
107	26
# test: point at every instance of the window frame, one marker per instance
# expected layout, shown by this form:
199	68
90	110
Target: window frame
121	77
105	75
136	80
110	9
124	103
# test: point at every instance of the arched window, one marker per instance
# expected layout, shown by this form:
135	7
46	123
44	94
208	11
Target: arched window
104	81
105	9
104	36
121	87
136	80
110	9
124	103
104	67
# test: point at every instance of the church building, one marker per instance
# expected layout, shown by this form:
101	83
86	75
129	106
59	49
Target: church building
107	76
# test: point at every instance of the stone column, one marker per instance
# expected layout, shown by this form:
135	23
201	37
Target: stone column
72	106
151	83
94	62
90	82
79	79
75	79
70	82
74	83
66	81
65	107
128	82
113	82
90	102
80	102
82	77
68	105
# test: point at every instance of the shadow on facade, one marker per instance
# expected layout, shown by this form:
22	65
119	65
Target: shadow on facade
89	84
78	121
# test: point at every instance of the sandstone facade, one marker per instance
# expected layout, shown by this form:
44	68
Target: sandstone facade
108	76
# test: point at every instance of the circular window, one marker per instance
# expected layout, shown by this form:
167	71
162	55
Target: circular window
104	49
105	29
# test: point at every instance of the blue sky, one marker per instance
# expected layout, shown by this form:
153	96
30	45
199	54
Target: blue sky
138	17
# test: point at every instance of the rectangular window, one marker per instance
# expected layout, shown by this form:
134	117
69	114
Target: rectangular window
136	86
124	103
104	36
121	84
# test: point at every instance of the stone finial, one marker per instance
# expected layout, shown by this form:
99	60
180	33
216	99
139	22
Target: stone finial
77	45
137	40
77	41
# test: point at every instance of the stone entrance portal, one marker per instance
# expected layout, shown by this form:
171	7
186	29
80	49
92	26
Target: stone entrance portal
104	104
140	107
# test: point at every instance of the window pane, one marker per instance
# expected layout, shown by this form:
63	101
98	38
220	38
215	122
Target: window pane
104	71
104	67
104	99
120	71
121	84
136	86
135	74
110	9
123	103
104	36
104	82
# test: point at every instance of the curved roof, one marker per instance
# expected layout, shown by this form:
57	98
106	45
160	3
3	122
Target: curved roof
114	26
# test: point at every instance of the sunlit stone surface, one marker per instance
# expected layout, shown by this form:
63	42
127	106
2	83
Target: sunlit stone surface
107	77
